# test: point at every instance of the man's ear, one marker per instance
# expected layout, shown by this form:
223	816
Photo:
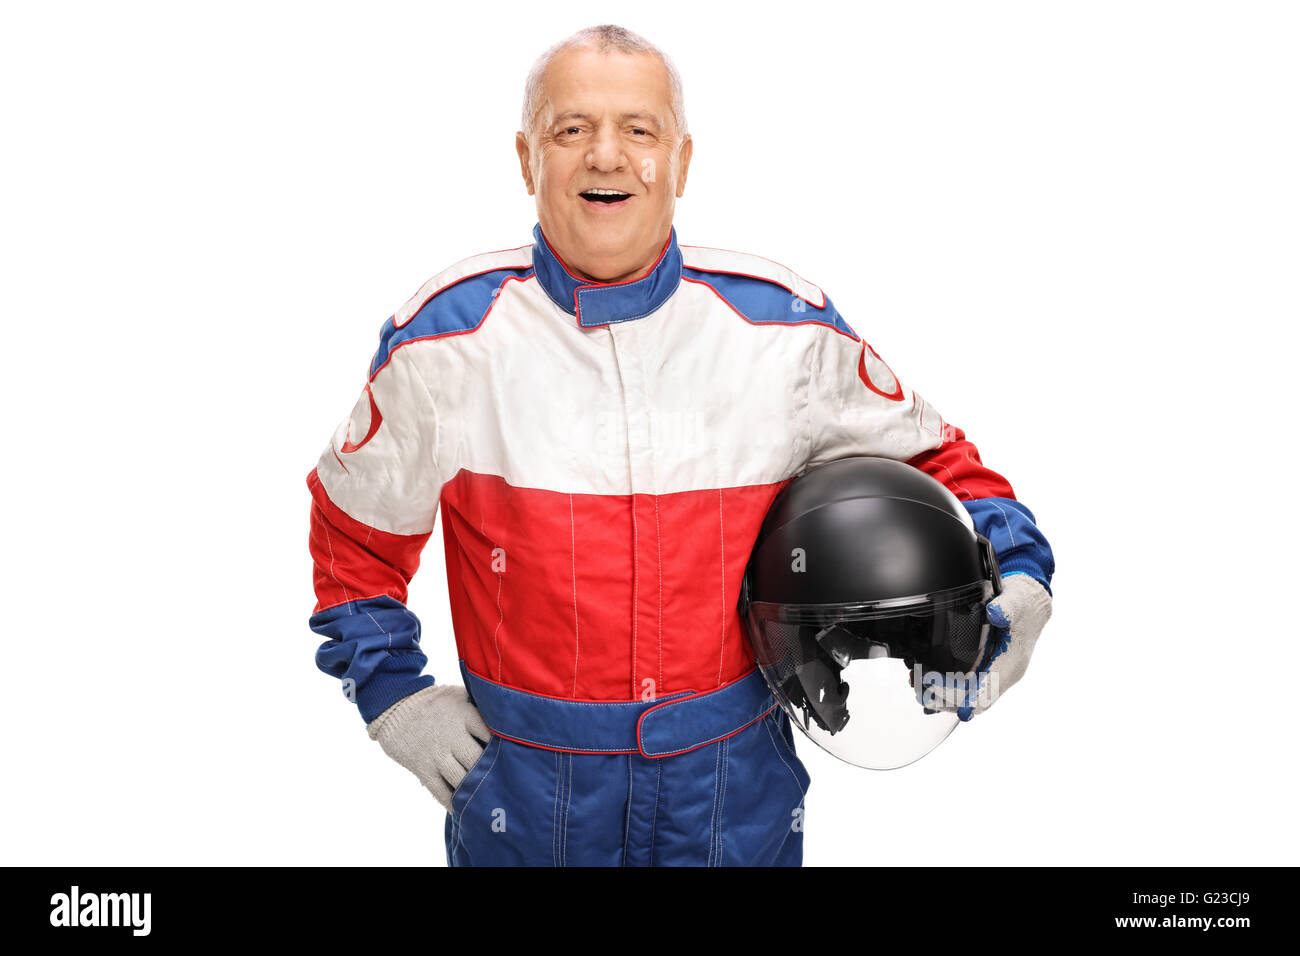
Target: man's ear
521	147
684	163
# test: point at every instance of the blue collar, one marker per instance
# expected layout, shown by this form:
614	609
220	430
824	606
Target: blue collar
604	303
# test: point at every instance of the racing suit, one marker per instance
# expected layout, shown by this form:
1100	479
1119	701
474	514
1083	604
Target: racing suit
603	455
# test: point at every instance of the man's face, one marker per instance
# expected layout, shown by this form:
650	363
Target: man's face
606	122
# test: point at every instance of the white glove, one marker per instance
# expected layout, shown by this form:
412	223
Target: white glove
435	733
1017	615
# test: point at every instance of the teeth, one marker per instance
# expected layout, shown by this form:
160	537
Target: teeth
605	192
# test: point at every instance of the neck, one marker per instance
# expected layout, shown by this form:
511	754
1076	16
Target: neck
609	271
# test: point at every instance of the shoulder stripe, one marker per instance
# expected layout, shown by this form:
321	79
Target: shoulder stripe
520	257
477	282
760	291
460	312
776	308
708	259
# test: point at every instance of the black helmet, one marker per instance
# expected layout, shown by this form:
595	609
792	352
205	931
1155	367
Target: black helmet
867	574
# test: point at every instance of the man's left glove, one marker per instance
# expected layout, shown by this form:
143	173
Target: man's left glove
1017	615
436	733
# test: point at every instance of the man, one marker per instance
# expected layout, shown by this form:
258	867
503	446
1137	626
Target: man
604	417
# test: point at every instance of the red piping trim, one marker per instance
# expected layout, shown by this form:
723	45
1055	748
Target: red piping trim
897	395
376	419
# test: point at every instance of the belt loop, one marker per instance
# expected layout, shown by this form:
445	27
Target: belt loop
678	726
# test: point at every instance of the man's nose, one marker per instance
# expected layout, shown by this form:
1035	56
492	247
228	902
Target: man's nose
606	153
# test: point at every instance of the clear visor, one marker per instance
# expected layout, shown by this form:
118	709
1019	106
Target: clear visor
854	677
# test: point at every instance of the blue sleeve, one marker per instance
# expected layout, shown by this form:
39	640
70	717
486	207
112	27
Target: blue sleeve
1017	541
373	646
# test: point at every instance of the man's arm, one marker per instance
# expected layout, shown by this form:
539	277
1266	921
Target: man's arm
1010	527
374	496
866	410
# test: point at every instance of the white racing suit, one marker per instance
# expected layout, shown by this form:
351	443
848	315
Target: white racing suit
603	455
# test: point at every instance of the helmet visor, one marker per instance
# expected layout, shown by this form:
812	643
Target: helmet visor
854	677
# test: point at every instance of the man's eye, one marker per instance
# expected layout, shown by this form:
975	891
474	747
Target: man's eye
638	129
571	129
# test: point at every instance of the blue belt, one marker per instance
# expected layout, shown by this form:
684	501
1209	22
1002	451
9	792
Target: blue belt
663	727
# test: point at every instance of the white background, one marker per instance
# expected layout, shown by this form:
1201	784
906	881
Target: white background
1071	226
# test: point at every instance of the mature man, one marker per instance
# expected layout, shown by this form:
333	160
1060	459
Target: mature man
605	417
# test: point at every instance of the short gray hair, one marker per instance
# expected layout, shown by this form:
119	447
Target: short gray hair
602	38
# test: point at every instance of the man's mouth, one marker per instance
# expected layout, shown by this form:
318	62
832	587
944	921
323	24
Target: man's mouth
605	196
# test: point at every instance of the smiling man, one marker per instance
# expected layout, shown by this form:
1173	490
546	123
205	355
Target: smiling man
603	417
606	154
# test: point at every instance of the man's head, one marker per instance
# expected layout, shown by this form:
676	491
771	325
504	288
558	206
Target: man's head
603	109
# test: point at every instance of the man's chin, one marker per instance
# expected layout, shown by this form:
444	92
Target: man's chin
609	226
605	240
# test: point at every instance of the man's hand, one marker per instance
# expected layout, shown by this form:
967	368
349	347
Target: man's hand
435	733
1017	615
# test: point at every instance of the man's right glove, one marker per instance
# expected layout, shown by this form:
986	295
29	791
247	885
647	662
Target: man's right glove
1017	616
436	733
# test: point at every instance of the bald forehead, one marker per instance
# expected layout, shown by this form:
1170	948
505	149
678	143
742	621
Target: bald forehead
580	77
